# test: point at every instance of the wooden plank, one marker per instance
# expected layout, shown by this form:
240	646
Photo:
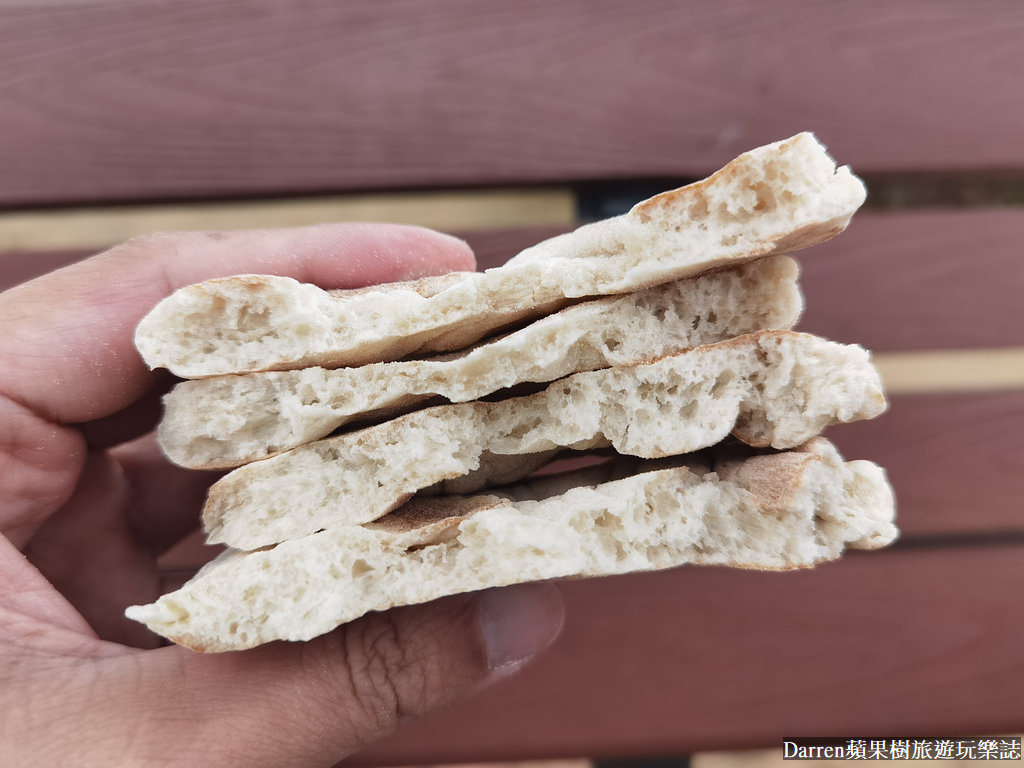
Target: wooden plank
98	227
886	643
919	280
954	460
952	370
215	97
492	247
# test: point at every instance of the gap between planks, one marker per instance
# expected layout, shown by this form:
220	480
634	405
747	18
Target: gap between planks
97	227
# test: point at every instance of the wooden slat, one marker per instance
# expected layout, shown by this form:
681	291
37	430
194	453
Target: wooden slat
926	280
492	247
122	100
885	643
952	370
954	460
98	227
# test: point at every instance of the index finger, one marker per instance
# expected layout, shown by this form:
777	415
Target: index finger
67	343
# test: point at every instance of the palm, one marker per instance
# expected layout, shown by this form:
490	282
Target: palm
99	551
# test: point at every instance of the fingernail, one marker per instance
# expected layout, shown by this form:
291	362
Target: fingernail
518	622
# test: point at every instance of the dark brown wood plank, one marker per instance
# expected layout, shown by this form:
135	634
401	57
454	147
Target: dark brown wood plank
197	98
954	459
919	280
879	644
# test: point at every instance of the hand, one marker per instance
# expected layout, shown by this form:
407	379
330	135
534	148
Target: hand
87	503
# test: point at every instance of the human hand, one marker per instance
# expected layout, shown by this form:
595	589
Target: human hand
87	504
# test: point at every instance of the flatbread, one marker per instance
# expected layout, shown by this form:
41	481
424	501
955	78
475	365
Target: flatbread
771	200
770	388
774	511
226	421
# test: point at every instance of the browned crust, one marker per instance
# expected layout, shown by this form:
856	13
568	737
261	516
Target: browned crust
427	511
698	208
773	477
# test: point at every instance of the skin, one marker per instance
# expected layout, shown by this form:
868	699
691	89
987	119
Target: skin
88	503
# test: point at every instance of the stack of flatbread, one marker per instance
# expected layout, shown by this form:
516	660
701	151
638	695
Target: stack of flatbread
394	444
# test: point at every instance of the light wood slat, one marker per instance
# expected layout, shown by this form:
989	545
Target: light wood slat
492	247
95	228
919	280
239	96
953	370
886	643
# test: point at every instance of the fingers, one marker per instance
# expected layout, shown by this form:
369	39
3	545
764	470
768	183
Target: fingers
67	352
138	419
310	704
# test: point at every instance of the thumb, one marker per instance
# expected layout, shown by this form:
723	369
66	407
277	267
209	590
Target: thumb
312	703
